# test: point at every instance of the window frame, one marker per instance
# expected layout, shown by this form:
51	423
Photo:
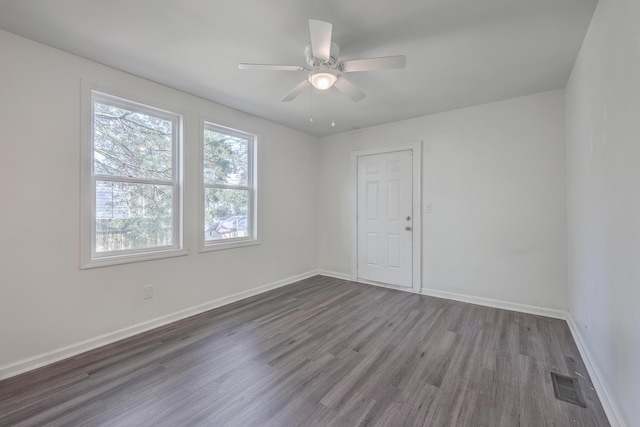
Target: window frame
89	257
252	186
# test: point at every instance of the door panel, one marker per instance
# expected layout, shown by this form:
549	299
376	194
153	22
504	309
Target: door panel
393	253
393	200
372	250
372	200
384	204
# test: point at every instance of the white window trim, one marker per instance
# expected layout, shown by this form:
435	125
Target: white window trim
254	211
88	258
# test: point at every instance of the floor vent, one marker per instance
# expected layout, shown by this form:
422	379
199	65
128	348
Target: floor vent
567	389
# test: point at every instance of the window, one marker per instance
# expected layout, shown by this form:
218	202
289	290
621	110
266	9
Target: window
228	171
134	182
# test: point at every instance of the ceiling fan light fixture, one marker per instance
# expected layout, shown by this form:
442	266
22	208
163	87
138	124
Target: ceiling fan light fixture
322	80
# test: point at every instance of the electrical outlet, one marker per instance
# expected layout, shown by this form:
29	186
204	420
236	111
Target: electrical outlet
427	208
147	292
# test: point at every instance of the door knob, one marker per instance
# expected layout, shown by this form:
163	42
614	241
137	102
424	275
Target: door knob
408	227
408	218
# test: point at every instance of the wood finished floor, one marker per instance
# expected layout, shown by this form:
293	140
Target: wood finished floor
321	352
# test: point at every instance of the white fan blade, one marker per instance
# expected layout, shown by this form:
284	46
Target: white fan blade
272	67
320	32
373	64
296	91
345	86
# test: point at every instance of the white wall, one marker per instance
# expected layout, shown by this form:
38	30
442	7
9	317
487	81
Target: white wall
495	176
46	301
603	156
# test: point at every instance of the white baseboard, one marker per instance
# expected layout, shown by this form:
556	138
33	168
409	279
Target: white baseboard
48	358
333	274
506	305
343	276
608	403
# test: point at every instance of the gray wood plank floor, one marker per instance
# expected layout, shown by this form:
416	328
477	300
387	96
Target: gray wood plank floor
321	352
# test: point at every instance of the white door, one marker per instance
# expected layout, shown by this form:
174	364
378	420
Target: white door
384	222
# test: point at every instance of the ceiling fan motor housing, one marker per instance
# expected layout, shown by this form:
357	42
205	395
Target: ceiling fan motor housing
318	64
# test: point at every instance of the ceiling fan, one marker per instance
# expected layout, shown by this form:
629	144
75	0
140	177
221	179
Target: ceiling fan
324	69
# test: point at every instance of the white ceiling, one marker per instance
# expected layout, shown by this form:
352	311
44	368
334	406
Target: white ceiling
459	52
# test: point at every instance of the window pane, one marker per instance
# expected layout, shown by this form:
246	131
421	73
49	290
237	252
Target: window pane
133	216
131	144
226	213
226	159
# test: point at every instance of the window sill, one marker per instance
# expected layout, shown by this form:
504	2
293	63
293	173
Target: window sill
218	246
126	259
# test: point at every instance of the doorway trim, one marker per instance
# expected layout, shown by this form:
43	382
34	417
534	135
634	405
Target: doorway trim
416	151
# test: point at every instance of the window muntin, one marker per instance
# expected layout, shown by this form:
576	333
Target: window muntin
135	179
228	172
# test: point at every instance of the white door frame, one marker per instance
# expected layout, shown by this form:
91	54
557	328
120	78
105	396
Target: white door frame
416	149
